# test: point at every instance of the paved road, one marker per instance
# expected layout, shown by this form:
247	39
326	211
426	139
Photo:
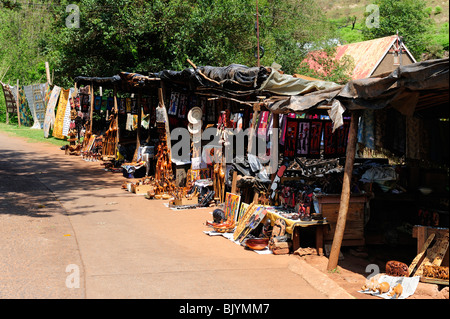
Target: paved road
66	223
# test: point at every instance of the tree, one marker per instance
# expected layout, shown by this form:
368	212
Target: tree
407	17
323	65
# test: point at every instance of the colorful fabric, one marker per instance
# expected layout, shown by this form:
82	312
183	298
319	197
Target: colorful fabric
303	138
39	105
315	138
97	103
335	144
49	120
60	114
290	137
67	120
24	111
9	99
183	106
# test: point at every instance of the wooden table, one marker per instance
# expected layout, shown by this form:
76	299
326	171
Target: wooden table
319	230
294	227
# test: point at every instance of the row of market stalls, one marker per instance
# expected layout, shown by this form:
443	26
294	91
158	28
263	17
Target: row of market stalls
291	162
361	163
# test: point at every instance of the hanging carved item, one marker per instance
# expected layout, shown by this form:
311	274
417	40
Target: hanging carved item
110	139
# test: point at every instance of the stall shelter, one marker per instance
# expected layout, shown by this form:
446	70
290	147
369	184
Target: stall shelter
371	58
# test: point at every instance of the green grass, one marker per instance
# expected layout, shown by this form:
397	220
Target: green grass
32	136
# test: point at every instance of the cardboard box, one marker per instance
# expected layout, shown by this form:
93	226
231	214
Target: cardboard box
140	189
185	201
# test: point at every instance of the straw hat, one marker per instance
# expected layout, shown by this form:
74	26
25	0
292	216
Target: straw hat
195	115
195	128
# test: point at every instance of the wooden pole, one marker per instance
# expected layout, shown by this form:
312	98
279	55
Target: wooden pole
47	71
256	109
257	35
345	194
138	132
17	103
116	118
274	145
91	111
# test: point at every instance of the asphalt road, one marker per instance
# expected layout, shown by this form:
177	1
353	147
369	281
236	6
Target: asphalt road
68	231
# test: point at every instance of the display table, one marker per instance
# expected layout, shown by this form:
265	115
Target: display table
294	227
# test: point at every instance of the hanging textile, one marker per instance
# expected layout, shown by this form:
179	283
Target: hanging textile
39	103
49	120
97	103
303	138
60	114
335	144
366	129
122	106
110	103
9	99
315	138
36	103
85	98
283	126
396	132
290	137
134	108
262	124
173	104
66	122
183	106
24	111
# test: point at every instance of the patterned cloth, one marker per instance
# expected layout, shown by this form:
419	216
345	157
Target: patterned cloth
49	120
60	114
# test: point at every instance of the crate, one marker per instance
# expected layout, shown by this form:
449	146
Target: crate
354	226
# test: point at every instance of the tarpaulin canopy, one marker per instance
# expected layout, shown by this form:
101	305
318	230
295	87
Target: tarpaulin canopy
107	82
415	85
285	84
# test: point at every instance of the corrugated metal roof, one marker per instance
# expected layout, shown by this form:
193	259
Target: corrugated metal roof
367	55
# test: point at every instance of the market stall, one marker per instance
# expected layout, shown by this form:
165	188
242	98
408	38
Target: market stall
347	178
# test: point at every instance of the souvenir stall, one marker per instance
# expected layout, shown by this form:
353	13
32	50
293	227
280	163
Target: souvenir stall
337	186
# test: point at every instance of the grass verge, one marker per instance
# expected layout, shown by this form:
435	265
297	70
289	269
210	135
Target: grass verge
32	136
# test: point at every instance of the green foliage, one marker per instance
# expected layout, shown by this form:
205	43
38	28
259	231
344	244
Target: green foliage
409	17
329	68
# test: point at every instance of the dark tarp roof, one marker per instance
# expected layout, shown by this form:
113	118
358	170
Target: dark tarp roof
233	77
407	89
107	82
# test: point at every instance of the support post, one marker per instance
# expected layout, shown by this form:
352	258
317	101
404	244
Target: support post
116	119
17	103
345	194
47	71
138	133
274	145
91	111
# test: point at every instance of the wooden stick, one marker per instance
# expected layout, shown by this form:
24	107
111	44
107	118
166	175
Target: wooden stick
47	71
418	259
17	103
201	73
91	111
345	195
